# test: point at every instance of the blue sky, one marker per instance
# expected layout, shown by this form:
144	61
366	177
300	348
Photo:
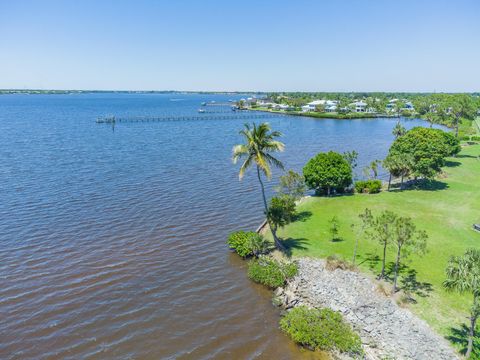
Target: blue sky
278	45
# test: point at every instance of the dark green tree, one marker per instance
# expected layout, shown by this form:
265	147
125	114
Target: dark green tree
425	148
327	171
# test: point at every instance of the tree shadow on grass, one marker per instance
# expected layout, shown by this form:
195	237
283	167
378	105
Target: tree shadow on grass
408	280
459	337
337	239
303	216
430	185
371	259
462	156
291	244
450	163
422	184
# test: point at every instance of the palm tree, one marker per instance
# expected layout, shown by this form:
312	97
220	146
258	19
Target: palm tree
463	276
398	130
259	143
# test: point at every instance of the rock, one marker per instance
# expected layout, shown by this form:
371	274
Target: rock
387	331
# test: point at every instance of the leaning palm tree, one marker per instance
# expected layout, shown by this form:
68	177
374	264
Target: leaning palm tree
463	276
260	142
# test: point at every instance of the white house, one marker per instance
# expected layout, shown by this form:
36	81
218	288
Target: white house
359	106
283	107
330	105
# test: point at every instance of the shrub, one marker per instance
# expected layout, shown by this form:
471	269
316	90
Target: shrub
475	138
368	186
270	272
248	243
321	329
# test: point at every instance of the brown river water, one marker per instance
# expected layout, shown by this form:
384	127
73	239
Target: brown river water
112	241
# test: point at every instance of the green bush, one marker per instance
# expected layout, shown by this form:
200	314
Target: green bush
270	272
321	329
248	243
368	186
475	138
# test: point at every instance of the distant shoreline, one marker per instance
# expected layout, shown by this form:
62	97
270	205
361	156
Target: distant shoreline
335	116
60	92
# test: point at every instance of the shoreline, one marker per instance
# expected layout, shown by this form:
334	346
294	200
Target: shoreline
332	116
385	328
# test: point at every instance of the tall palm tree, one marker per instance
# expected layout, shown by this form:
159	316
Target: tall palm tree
260	142
463	276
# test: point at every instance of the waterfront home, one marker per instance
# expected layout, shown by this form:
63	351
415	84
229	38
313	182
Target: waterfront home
312	106
282	107
329	105
359	106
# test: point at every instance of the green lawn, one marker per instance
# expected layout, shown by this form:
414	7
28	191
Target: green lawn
446	211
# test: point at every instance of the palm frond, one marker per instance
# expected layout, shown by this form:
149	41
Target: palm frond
239	151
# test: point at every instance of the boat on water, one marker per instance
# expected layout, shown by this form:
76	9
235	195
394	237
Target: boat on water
204	103
201	110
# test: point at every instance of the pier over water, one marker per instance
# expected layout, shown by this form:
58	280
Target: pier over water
129	119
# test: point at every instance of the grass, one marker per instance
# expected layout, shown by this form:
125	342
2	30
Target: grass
446	209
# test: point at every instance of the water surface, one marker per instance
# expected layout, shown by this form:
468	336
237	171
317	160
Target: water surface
112	243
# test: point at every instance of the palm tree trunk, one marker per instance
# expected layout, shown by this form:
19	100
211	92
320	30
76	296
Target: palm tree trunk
277	242
263	191
456	127
471	334
389	181
401	183
397	263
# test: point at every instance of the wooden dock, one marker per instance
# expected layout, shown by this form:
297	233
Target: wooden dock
205	116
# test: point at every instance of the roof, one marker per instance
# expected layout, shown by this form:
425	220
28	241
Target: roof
317	102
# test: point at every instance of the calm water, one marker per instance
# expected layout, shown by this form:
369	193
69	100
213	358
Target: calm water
112	244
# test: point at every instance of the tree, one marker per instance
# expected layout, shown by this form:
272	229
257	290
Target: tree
398	130
320	108
463	276
351	157
280	213
292	184
425	148
374	168
452	143
366	219
407	239
327	171
333	229
260	142
461	105
382	230
398	165
399	106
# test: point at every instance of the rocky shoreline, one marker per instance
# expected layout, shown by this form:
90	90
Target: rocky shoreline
387	330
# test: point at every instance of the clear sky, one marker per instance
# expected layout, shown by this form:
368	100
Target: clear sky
350	45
